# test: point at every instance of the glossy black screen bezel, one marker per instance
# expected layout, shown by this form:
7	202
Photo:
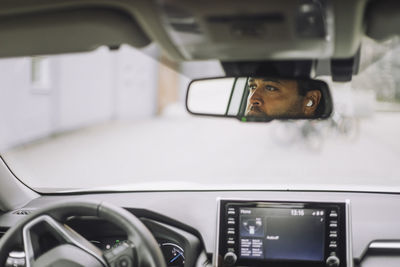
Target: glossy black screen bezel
341	251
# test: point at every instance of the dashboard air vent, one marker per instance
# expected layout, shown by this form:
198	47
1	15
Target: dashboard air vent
22	212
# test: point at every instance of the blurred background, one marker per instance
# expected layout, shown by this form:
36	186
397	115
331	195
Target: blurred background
117	118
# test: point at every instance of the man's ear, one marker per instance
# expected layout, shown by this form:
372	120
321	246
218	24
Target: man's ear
311	102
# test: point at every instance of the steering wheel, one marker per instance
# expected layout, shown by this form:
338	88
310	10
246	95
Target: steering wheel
71	249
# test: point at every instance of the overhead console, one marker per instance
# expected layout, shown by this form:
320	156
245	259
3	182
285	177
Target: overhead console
275	234
257	30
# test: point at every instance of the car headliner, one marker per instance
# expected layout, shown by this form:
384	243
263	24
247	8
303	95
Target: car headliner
26	26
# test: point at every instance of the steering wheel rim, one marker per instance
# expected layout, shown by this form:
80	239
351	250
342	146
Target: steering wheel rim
146	248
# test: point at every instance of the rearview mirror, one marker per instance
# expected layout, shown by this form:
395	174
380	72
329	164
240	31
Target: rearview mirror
259	98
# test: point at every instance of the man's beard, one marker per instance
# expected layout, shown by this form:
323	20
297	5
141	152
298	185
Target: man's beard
256	112
294	111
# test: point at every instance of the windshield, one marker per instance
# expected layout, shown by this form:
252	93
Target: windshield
116	120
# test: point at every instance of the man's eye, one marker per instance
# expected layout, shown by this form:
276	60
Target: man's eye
252	86
271	88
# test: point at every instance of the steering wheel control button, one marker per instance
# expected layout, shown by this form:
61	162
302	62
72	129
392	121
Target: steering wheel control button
17	254
230	259
14	262
120	255
332	261
15	259
124	261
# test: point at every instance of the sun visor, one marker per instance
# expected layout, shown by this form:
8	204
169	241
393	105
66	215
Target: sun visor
67	31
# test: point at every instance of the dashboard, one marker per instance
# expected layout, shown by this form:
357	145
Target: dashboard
192	227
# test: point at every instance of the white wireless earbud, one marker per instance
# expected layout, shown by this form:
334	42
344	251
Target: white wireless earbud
310	103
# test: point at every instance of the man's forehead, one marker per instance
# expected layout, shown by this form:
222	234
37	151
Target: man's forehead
265	79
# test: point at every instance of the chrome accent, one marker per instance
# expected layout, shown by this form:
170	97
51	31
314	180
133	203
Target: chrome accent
215	257
28	249
389	245
349	236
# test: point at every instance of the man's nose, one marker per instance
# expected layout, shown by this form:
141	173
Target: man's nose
256	99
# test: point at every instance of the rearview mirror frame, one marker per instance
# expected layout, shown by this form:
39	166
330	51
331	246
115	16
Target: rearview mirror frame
322	87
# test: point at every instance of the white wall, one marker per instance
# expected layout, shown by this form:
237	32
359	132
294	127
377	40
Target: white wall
24	113
83	89
137	84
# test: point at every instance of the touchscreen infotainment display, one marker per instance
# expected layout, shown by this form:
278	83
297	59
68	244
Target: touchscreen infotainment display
282	234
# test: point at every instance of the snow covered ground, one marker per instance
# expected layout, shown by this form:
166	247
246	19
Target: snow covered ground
179	151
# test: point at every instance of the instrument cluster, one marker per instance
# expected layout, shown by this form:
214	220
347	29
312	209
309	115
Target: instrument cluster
173	253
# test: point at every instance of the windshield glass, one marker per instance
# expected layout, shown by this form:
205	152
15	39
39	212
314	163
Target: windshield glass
116	120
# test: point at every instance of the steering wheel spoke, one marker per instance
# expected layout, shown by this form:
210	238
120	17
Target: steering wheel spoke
62	233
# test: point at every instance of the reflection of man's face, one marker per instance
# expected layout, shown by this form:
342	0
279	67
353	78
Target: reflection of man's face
273	97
